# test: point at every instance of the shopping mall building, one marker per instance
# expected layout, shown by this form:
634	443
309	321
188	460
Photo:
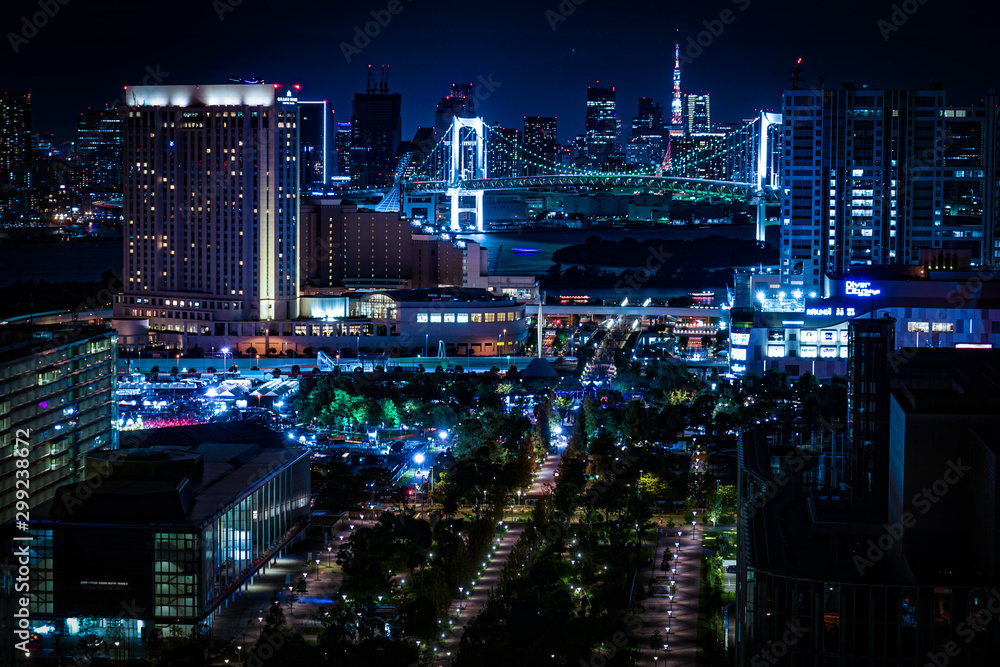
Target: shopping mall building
800	332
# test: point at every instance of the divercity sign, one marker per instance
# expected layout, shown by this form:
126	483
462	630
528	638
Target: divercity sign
855	288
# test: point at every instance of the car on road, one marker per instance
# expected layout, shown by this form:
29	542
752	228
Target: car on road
659	591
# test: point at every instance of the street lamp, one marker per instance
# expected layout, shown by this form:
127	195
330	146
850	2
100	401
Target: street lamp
329	556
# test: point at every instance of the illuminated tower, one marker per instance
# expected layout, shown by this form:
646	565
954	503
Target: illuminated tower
676	107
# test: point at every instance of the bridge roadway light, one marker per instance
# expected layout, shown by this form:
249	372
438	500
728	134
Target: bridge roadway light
418	459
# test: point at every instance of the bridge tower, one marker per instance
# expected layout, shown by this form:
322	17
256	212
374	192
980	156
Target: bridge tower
467	160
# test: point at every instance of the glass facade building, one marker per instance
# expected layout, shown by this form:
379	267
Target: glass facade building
57	401
193	514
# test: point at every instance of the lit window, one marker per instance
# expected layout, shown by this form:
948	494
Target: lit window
449	317
828	352
843	353
775	350
808	351
739	353
462	318
490	317
943	327
476	317
435	318
809	336
918	327
421	317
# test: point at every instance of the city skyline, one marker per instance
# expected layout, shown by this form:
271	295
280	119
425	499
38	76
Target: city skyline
742	67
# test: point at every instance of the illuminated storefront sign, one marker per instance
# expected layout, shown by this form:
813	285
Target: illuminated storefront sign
829	311
855	288
739	338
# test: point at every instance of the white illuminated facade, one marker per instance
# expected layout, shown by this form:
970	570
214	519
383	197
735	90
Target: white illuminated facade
810	334
211	203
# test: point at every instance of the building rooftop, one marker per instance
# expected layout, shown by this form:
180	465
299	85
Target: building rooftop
179	475
20	340
445	294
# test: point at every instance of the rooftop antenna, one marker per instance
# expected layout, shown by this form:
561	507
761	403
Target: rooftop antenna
370	87
796	74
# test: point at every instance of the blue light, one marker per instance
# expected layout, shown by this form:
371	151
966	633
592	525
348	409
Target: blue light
418	459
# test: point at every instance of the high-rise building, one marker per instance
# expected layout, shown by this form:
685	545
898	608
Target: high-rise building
342	143
540	144
697	116
647	142
504	157
313	144
458	103
602	123
375	133
876	177
15	154
57	403
699	155
99	150
211	203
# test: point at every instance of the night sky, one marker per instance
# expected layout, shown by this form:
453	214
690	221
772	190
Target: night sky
91	48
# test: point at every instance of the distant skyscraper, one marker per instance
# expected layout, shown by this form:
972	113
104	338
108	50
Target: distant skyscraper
99	150
904	179
602	124
210	206
313	144
698	116
503	157
15	154
540	143
375	133
342	143
647	143
458	103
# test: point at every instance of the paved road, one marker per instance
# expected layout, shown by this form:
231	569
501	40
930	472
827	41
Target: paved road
681	615
470	607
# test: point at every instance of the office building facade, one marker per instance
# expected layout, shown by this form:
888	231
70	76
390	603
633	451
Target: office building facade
375	133
99	151
602	123
540	143
697	113
57	403
211	201
342	143
314	155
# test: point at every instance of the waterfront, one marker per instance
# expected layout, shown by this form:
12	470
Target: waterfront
520	253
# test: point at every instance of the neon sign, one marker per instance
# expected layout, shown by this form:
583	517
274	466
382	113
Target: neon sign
855	288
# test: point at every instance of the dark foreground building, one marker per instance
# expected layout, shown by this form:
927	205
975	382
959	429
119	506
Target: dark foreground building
163	532
910	576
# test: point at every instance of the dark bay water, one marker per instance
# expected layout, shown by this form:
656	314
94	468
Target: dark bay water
58	261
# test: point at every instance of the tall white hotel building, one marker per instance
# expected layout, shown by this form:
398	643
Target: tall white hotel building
211	207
